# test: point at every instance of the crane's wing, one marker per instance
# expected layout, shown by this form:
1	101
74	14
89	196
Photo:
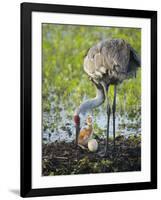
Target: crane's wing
116	53
108	59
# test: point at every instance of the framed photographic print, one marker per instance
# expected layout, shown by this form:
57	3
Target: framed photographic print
88	99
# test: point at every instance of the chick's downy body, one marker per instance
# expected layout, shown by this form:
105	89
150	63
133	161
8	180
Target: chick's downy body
86	133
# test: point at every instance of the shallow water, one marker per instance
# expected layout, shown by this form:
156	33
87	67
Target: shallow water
64	129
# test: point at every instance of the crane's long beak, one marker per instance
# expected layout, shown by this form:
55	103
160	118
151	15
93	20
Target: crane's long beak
77	127
77	134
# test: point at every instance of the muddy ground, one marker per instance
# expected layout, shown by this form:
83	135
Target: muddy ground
65	158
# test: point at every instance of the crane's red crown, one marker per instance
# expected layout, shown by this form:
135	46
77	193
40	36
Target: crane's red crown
77	119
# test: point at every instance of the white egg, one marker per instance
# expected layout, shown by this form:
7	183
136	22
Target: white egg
92	145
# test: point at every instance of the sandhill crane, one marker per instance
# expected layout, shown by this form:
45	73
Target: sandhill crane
107	63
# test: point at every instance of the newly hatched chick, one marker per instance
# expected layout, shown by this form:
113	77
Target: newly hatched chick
86	133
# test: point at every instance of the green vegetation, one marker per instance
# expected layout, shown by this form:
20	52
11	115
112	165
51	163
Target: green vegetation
64	81
66	85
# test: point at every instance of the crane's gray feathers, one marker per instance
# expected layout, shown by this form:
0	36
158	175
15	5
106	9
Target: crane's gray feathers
111	61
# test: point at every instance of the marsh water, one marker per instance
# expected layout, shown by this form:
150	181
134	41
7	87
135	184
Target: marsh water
58	124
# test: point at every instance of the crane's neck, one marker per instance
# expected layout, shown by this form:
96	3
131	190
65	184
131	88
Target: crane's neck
92	103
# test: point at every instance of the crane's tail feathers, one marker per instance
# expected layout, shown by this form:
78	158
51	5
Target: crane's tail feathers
135	57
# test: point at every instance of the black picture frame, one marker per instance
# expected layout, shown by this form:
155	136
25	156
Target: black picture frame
26	94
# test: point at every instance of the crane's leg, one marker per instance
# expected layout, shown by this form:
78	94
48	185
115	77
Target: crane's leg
114	110
108	124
